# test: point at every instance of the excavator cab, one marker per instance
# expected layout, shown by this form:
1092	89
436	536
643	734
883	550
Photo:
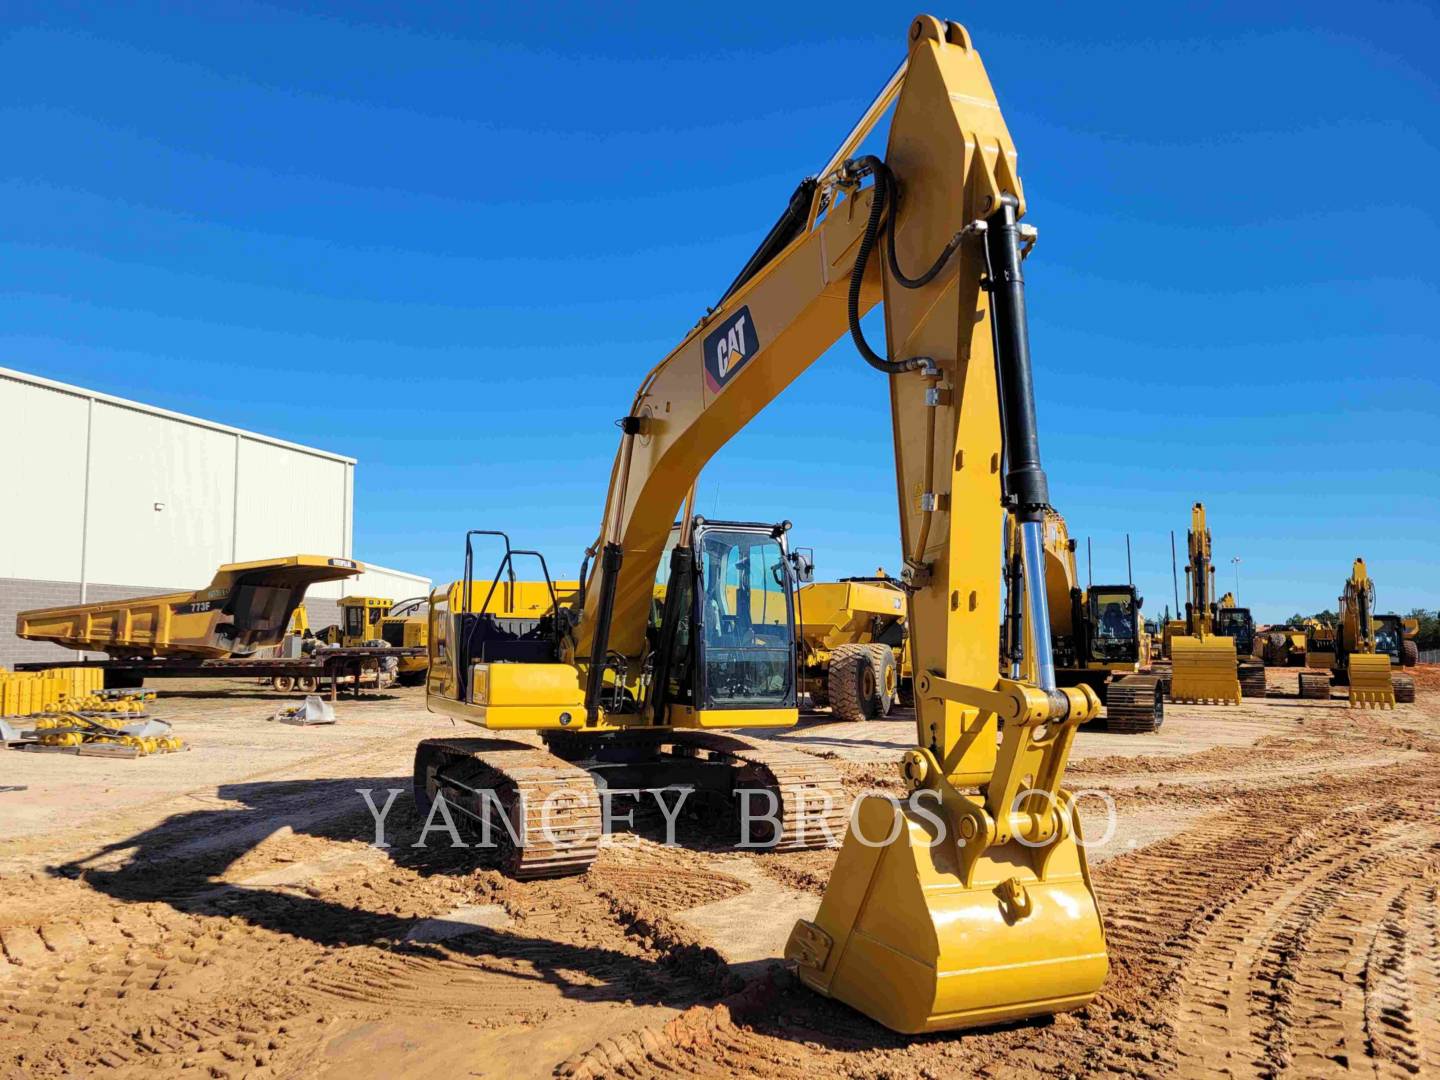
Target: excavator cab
1238	624
1389	636
1113	622
722	628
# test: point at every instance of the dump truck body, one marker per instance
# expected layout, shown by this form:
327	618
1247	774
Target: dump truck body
852	635
246	607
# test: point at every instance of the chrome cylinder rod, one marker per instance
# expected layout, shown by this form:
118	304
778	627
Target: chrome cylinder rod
1037	605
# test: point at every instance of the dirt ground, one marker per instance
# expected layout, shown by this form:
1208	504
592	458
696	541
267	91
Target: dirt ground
1270	898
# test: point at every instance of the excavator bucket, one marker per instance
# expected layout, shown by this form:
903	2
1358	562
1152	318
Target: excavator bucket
904	935
1204	670
1370	682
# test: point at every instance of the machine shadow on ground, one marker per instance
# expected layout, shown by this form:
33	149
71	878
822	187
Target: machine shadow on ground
179	862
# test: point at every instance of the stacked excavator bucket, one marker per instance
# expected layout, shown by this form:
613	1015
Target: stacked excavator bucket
1370	682
1204	670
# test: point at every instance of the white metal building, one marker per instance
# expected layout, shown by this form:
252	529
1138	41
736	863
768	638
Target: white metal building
102	498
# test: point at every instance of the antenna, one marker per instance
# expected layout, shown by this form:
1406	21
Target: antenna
1089	565
1129	570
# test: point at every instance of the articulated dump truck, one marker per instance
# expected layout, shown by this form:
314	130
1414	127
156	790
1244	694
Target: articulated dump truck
246	607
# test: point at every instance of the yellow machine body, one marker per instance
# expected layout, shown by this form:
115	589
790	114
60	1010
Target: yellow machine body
836	613
1205	666
922	938
246	607
407	626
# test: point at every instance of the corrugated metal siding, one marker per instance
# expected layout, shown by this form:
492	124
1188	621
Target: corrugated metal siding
42	457
290	503
140	461
225	494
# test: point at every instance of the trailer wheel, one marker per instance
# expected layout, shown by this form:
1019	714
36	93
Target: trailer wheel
854	689
283	683
308	684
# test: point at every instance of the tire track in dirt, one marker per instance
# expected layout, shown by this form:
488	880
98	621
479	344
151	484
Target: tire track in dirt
1259	920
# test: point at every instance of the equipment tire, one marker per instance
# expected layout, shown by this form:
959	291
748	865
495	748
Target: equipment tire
1409	653
854	689
887	676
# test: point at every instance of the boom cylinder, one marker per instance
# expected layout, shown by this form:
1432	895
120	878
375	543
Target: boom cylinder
1025	481
1024	477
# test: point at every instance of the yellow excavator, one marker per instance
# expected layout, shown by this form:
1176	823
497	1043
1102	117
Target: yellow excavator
1351	650
1096	633
969	901
1205	668
1236	622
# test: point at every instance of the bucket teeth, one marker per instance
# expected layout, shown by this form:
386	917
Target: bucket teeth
1370	684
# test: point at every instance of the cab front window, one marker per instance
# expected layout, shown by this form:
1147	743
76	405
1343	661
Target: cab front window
1113	615
747	634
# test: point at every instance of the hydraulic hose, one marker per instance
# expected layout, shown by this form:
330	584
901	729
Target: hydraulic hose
859	167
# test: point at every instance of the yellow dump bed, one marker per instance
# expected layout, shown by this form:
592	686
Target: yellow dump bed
833	613
246	607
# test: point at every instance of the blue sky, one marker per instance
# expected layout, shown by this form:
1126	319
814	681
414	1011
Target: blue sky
451	241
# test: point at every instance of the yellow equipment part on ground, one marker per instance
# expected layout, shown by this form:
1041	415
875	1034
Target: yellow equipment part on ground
1370	682
1204	670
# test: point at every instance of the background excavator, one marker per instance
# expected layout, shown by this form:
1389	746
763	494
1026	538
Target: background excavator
1097	635
969	902
1205	664
1237	623
1360	650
